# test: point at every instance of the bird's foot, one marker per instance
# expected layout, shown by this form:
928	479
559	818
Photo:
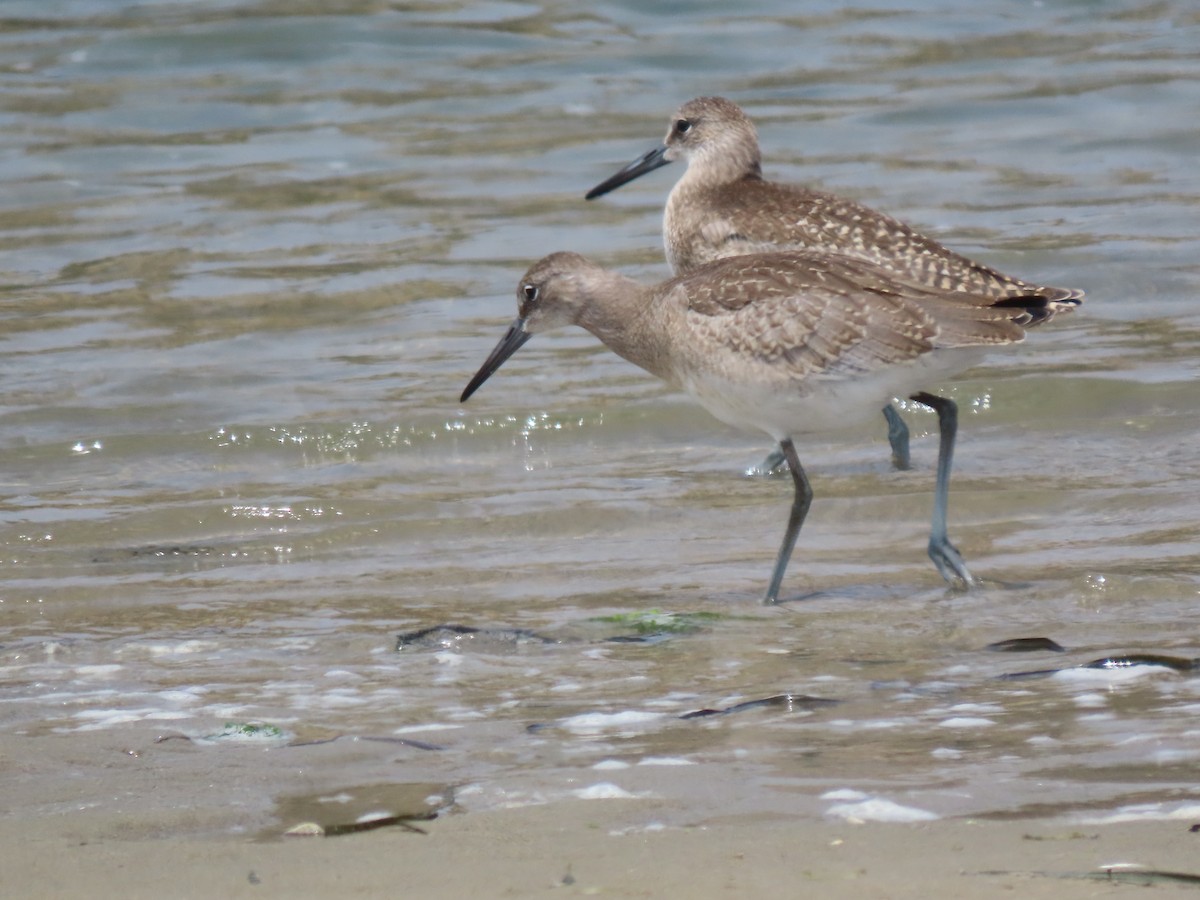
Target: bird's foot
950	563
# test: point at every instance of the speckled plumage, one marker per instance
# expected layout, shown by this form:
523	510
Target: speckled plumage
790	322
784	343
721	206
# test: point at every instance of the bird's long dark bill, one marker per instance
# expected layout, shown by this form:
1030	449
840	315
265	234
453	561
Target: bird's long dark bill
513	340
648	162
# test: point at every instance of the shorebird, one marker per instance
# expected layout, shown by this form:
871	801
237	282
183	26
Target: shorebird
721	206
783	343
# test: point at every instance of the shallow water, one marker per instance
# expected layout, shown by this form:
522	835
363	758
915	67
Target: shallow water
251	256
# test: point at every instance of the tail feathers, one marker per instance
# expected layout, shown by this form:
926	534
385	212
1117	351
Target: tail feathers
1040	305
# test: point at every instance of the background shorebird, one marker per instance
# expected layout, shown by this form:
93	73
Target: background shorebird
721	206
783	343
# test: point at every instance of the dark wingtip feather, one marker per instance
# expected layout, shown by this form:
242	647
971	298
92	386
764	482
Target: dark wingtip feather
1040	305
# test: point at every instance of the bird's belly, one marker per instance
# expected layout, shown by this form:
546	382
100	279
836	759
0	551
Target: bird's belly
783	408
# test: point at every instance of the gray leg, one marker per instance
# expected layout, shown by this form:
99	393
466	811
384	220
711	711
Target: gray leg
944	554
897	437
800	503
774	462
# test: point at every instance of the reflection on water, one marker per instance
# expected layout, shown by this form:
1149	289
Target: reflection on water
251	255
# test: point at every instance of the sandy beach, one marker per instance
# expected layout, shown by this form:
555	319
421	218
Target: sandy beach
578	850
145	826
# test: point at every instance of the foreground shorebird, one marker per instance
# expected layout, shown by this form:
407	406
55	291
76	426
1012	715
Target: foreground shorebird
783	343
723	207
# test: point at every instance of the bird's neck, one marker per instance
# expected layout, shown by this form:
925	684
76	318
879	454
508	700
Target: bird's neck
719	168
625	316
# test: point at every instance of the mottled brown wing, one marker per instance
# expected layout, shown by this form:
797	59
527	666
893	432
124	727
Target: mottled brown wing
758	213
799	310
962	318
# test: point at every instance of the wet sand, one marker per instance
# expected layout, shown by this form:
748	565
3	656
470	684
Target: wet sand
576	850
132	833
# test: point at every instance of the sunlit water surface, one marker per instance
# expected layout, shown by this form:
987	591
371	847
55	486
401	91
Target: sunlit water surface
251	256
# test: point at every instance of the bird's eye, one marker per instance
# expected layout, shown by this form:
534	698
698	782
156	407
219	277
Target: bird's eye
530	291
682	126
